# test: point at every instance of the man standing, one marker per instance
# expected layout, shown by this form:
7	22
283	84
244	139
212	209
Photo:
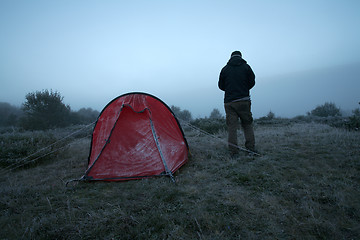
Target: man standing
236	79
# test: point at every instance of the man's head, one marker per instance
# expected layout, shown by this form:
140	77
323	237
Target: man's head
236	53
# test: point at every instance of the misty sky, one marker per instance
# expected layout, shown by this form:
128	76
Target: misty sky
304	53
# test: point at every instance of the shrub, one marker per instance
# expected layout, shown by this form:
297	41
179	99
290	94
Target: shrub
301	119
271	119
15	148
354	120
84	116
210	125
9	115
181	114
215	114
45	110
270	115
326	110
356	112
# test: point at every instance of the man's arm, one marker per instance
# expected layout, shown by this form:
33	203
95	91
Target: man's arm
221	83
251	78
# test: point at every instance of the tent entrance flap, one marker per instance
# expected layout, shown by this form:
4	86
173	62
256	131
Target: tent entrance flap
107	139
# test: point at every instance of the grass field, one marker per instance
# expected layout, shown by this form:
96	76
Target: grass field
305	185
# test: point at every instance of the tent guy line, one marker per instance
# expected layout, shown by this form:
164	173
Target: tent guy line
27	159
136	99
136	136
219	139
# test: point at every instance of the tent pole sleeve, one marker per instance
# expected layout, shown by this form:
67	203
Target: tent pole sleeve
161	154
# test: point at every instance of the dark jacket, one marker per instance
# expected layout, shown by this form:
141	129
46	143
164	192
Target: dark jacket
236	79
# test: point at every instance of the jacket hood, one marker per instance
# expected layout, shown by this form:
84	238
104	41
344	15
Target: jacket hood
236	61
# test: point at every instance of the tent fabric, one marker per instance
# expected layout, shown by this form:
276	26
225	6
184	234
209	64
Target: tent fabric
136	136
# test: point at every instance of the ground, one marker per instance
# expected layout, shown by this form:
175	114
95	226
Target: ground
305	185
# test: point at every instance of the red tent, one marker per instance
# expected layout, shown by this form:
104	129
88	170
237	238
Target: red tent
136	136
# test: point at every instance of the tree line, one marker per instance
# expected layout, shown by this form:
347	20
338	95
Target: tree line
44	110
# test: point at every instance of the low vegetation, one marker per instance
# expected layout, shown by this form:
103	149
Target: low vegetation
43	110
31	148
305	185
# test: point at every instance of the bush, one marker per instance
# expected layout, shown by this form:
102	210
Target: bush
326	110
45	110
181	114
356	112
9	115
215	114
271	119
210	125
84	116
270	115
15	148
354	120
